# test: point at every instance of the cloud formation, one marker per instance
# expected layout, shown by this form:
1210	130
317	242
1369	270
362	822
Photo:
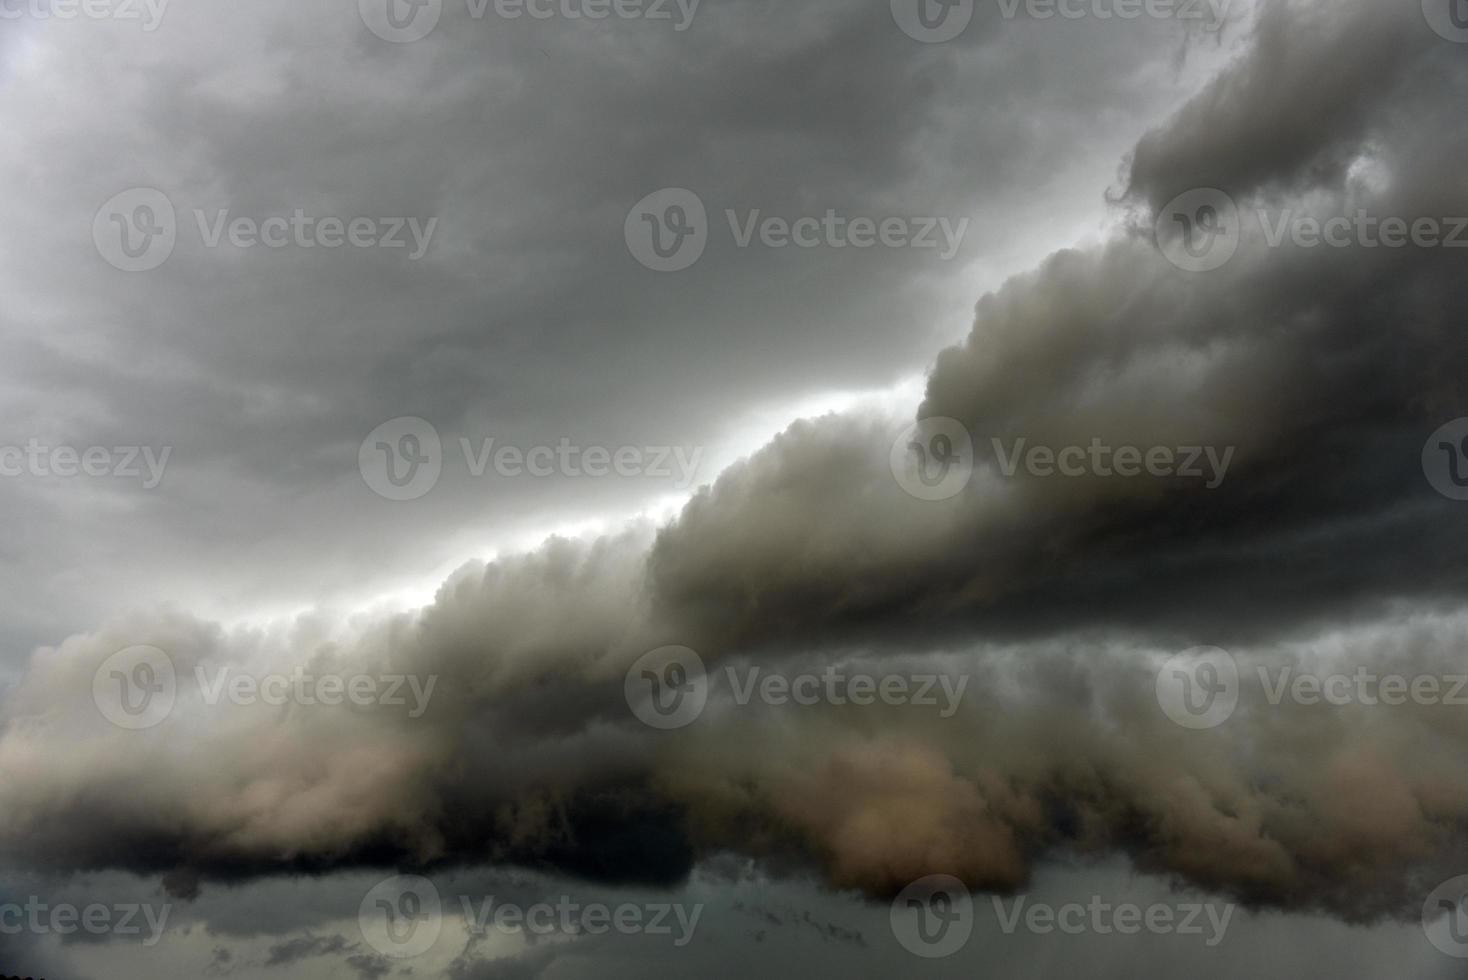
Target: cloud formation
1324	370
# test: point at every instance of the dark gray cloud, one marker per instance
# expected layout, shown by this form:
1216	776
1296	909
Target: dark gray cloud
1320	371
529	321
811	545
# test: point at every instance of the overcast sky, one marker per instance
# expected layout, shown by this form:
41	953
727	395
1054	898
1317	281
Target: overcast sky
600	392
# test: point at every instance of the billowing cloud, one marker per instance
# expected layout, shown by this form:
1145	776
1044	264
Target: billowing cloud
1318	372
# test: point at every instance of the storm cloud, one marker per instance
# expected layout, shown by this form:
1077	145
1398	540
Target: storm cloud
1323	370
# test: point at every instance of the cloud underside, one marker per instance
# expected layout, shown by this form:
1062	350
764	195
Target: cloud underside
1325	369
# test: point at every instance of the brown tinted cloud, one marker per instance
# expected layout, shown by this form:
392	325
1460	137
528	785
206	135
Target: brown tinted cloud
1325	369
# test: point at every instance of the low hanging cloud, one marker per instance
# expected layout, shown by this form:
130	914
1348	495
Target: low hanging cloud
1323	371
